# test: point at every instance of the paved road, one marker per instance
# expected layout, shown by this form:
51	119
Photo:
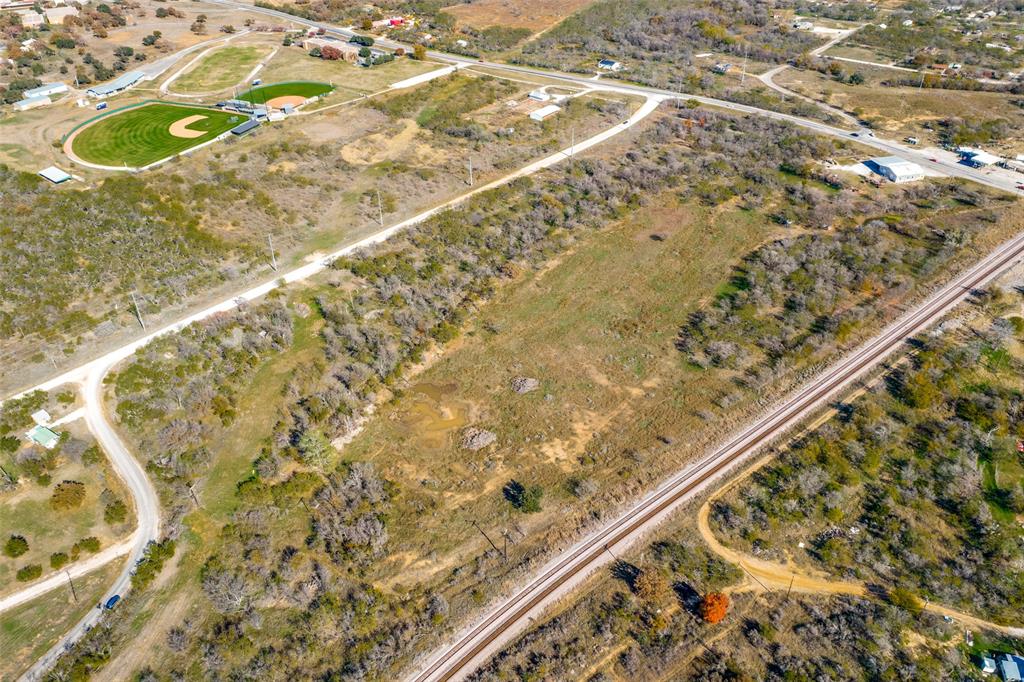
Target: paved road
999	181
768	78
502	622
147	509
90	377
555	581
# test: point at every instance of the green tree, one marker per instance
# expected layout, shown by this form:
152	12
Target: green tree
115	512
15	546
30	572
315	449
419	52
905	599
59	560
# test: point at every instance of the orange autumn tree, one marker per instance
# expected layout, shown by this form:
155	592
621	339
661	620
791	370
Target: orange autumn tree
714	607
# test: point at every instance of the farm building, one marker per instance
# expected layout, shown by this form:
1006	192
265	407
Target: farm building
31	103
46	90
117	85
545	112
723	68
540	96
897	169
609	65
40	435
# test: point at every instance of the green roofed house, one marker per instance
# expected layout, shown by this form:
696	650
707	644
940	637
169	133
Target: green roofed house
40	435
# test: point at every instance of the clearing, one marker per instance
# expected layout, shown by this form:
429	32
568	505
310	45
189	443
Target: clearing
220	69
536	15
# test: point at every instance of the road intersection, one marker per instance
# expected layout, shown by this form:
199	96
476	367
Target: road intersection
569	568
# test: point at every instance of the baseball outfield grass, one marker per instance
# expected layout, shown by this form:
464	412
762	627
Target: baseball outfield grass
265	93
141	136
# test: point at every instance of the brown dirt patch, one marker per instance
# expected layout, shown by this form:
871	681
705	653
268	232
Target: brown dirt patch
536	15
280	102
180	128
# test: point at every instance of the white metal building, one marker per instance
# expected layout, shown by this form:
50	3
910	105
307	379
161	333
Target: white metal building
540	96
545	112
46	90
897	169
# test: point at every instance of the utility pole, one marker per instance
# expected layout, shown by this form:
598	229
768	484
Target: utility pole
486	536
380	207
743	75
72	584
572	146
790	590
471	171
138	313
273	258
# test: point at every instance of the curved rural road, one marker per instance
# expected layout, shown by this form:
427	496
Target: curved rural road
90	377
147	509
498	625
768	79
568	569
784	576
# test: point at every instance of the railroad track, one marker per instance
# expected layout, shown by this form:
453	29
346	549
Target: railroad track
502	623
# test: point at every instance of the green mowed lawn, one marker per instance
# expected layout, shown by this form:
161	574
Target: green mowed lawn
268	92
138	137
220	69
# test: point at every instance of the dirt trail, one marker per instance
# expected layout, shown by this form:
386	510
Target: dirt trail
765	575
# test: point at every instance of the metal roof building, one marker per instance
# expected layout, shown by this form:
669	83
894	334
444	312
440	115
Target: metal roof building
897	169
56	176
45	90
31	102
246	127
115	86
544	112
41	435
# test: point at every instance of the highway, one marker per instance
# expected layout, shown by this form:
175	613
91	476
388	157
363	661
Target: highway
569	568
512	615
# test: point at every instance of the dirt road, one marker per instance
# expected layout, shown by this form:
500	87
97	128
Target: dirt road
768	575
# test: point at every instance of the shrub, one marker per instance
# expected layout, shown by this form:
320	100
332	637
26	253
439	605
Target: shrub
905	599
58	560
522	498
651	586
30	572
115	512
67	495
15	546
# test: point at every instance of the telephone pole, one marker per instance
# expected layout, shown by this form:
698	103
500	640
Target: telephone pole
273	258
380	208
471	171
572	146
72	584
138	312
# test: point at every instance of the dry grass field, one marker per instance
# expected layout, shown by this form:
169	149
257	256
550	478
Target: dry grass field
536	15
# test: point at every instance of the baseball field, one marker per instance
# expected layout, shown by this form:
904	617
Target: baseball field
140	136
291	92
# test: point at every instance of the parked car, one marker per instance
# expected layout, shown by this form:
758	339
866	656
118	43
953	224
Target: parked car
101	106
112	602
